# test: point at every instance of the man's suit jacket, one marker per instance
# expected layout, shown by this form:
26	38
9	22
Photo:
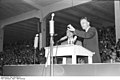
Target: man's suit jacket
90	42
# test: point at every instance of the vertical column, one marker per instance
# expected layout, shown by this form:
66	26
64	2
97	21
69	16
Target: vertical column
64	60
1	39
89	59
40	41
117	18
74	59
43	30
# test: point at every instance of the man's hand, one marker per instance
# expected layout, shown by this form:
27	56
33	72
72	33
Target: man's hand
70	28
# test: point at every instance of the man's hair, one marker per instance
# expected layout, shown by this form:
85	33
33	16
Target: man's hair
85	19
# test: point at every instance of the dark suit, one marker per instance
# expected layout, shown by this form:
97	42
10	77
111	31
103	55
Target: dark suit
90	42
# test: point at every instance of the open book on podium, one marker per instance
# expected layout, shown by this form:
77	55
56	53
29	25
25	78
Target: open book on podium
69	50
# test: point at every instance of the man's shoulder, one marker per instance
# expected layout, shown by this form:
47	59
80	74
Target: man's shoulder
92	28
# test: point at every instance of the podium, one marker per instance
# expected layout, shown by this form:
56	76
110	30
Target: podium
69	50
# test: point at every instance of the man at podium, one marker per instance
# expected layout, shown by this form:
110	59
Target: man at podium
90	36
70	38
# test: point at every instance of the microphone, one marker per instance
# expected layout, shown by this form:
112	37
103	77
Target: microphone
51	22
36	41
55	34
75	38
63	38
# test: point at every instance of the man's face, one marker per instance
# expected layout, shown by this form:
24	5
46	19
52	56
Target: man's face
84	23
69	34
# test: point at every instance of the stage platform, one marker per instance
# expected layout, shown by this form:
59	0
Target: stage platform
103	69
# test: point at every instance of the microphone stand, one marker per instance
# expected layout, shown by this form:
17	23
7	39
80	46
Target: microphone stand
51	55
34	55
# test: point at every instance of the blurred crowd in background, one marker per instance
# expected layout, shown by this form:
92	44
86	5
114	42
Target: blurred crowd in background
108	46
22	53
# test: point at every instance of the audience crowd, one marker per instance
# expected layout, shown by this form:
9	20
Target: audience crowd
22	53
107	45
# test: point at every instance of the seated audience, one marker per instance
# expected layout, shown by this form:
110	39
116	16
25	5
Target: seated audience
112	57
